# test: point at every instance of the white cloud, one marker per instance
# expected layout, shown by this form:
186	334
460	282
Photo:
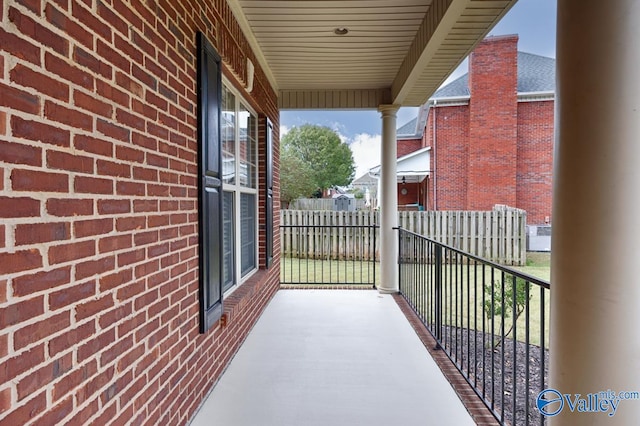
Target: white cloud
284	130
366	152
342	137
338	127
365	149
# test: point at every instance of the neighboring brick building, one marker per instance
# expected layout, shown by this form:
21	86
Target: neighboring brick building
490	134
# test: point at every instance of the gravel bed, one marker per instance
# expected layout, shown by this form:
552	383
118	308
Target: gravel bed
476	361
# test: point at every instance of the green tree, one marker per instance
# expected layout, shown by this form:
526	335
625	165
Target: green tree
296	178
358	193
330	161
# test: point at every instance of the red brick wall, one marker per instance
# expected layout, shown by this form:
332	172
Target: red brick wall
98	196
495	150
535	159
416	194
411	197
493	123
407	146
450	163
427	137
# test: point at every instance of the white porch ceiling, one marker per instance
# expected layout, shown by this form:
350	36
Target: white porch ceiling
396	51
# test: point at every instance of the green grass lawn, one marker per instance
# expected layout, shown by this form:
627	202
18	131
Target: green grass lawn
321	272
538	265
464	313
462	308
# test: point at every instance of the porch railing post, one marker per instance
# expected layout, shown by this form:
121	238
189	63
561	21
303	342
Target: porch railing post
438	279
490	358
399	260
375	232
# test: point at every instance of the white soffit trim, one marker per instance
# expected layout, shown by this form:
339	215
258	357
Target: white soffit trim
536	96
450	101
251	38
434	28
410	164
449	32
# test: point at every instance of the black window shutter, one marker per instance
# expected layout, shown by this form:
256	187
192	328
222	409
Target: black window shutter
210	183
269	206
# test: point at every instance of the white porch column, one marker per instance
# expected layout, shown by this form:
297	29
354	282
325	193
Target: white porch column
389	205
595	271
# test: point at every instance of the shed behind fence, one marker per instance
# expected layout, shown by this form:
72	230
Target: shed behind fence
326	204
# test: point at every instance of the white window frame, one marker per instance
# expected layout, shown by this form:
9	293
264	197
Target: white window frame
238	189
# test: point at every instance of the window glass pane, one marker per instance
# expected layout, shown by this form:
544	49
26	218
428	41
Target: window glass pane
228	136
239	174
247	147
247	232
227	240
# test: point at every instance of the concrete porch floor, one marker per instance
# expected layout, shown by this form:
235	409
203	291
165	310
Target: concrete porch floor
332	357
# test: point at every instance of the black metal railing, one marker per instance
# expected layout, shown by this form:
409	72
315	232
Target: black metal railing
329	255
490	320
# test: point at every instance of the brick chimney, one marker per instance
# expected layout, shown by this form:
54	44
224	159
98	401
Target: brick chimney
493	107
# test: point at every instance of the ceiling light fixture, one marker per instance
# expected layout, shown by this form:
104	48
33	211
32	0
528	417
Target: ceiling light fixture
341	31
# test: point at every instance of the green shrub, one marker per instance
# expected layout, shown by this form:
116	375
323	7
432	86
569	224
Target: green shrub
493	301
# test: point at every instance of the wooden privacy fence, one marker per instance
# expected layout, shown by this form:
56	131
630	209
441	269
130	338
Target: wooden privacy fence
315	204
498	235
329	235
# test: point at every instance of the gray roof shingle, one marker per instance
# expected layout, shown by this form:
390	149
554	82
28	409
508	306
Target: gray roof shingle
409	128
457	88
535	74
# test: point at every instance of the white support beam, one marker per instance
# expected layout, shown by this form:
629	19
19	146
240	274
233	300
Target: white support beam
437	23
439	47
595	296
389	206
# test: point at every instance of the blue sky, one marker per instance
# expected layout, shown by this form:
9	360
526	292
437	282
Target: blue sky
533	20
